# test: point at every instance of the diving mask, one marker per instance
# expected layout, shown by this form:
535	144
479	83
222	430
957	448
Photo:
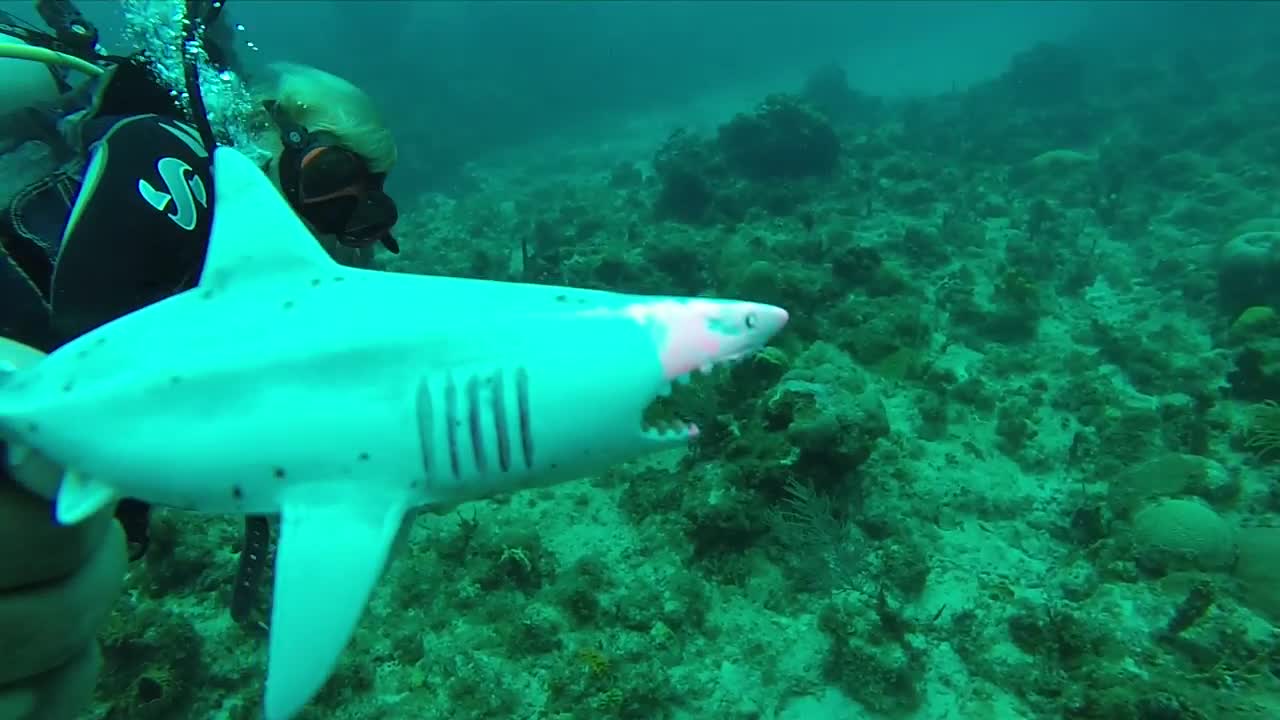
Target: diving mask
332	187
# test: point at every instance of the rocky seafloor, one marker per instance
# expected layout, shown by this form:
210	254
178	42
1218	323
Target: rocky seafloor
1009	459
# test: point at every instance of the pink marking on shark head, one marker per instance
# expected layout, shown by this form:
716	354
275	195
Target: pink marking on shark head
701	332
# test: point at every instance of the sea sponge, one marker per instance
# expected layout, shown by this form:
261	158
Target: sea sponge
1170	475
1062	160
1178	534
1248	264
1257	322
782	140
1257	570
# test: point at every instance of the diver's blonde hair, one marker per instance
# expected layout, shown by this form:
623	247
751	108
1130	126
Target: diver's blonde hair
321	101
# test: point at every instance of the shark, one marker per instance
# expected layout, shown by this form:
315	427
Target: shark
345	400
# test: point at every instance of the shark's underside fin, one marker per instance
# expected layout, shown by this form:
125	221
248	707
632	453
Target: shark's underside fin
334	542
255	233
17	453
79	497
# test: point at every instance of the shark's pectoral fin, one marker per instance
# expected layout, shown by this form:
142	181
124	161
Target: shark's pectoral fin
402	535
334	541
80	496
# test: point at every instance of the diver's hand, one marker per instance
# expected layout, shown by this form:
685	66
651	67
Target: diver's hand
57	586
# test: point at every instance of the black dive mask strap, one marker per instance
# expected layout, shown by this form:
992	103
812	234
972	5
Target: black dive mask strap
294	137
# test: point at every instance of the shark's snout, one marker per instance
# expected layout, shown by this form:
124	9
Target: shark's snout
699	335
770	319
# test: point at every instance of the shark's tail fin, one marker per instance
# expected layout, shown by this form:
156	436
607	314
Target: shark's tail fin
8	368
13	357
77	497
7	450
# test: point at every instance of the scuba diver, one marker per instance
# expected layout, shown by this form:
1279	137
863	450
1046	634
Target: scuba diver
121	223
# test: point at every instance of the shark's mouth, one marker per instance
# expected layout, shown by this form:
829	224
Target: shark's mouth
664	415
676	400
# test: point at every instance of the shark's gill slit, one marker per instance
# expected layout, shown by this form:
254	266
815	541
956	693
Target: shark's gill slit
425	424
498	396
526	430
451	421
473	422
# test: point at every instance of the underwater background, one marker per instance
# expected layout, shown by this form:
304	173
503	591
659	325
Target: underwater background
1014	457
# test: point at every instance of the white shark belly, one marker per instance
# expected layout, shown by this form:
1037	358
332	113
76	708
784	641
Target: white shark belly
195	421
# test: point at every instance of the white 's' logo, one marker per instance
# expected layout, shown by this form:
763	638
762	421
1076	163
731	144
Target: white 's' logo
185	190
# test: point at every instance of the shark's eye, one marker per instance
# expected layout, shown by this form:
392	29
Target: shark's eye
750	321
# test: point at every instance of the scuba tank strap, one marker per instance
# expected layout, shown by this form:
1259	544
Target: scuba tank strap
19	30
73	33
196	17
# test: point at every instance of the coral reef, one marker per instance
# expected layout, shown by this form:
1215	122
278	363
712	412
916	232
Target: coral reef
1014	457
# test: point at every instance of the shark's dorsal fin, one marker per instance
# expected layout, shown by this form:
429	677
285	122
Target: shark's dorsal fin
334	542
255	233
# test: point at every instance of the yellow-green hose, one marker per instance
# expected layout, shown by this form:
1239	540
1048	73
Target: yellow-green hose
48	57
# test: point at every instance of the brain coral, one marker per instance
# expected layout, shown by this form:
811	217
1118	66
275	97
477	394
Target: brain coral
1178	534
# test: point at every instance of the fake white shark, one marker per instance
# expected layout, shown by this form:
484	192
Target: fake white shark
343	399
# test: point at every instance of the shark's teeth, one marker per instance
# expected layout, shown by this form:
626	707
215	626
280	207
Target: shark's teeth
661	417
668	428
